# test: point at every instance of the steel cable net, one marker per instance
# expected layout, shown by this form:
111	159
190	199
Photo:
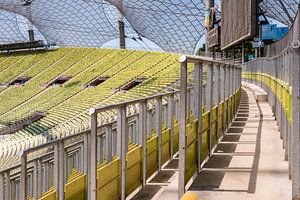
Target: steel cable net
175	25
283	11
10	31
69	22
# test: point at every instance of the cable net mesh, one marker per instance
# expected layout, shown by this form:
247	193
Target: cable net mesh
283	11
10	31
175	25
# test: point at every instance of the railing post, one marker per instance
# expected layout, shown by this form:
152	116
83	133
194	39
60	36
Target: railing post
209	102
23	178
61	171
182	132
93	156
158	127
198	107
2	189
122	146
223	94
143	137
35	179
171	123
228	94
108	140
217	88
296	114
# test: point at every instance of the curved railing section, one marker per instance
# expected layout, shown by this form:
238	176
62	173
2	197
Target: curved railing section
279	76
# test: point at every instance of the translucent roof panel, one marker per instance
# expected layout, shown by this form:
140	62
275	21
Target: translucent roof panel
10	31
175	25
283	11
68	22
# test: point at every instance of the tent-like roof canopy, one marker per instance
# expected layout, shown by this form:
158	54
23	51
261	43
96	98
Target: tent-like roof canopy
174	25
283	11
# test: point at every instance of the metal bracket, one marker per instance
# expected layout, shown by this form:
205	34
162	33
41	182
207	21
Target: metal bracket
296	44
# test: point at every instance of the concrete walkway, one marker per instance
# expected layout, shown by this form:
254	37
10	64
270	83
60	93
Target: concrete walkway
248	163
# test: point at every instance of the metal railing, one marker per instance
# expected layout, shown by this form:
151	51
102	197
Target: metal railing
279	76
49	165
223	82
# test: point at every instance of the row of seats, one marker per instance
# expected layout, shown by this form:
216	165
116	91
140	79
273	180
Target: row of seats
67	106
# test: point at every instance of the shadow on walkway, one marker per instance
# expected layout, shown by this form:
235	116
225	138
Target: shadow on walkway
221	164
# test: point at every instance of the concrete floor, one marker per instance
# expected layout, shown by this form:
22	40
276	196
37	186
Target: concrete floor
248	163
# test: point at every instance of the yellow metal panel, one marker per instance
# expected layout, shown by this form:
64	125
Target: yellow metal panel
176	138
205	121
205	141
111	191
152	156
108	173
191	161
133	177
50	195
191	130
214	133
214	113
134	156
75	187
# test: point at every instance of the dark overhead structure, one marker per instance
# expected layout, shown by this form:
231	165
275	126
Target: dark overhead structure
239	21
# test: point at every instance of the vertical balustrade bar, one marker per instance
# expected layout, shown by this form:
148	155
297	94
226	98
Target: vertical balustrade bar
84	158
228	95
223	95
171	112
122	147
158	127
93	157
2	190
56	168
35	179
231	91
217	89
198	79
45	175
182	131
296	114
143	138
108	140
23	179
61	171
209	102
149	124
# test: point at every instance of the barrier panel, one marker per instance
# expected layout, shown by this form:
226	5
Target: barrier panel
279	76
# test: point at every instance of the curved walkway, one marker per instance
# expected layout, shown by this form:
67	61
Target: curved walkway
248	163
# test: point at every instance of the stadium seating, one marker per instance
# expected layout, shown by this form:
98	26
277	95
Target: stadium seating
68	104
